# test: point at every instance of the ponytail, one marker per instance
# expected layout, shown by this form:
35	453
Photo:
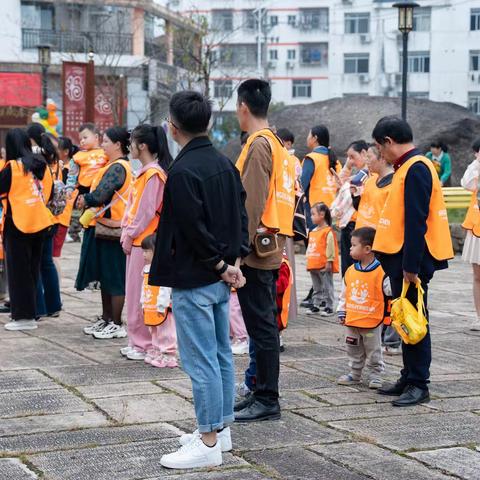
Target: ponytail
65	143
332	159
156	141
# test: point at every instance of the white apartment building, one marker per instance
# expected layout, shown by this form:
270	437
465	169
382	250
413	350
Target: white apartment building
318	49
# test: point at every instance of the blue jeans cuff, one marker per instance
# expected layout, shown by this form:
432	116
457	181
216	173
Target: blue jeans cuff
210	428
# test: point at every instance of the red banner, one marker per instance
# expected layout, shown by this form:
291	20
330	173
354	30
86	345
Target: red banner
20	89
105	103
74	98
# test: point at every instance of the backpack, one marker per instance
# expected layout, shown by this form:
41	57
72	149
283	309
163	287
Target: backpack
58	200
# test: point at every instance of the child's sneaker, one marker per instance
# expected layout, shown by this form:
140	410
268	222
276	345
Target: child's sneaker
126	350
348	380
165	361
375	384
150	356
135	354
326	312
112	330
240	347
313	310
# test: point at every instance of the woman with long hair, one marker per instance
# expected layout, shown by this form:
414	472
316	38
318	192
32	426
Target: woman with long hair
26	182
149	145
101	257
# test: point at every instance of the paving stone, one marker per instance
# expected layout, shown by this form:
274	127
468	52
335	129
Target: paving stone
140	460
13	469
456	388
146	408
458	461
119	389
459	404
420	431
310	351
50	423
241	474
297	463
354	398
290	399
459	343
377	463
40	403
25	380
90	437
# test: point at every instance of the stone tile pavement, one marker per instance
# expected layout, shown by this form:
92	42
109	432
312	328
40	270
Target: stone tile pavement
71	408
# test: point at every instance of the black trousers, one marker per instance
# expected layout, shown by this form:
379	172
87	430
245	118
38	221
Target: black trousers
257	301
23	253
416	358
345	244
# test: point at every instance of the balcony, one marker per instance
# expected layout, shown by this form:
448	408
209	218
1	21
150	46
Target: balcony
78	42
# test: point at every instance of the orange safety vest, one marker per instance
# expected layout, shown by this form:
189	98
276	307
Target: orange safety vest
2	216
119	199
66	216
371	203
323	186
390	234
283	316
89	162
29	210
151	316
317	249
136	195
280	204
364	298
472	219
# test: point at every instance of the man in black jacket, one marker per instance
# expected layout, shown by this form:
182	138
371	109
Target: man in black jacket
201	236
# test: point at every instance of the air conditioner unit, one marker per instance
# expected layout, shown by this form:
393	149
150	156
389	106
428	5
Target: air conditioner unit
365	38
290	65
364	78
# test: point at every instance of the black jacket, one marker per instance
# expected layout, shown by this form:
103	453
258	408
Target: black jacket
203	219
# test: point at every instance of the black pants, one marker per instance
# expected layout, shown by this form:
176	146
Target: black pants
23	254
345	244
416	358
257	301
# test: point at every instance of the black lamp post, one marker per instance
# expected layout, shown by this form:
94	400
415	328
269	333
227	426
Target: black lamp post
405	25
44	59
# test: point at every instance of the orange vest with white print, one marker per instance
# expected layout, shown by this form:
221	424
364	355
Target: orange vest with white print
317	249
472	219
364	298
371	203
151	316
280	204
323	186
119	199
2	217
89	162
390	234
29	210
136	195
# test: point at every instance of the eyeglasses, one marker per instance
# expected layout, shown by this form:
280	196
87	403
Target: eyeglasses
167	119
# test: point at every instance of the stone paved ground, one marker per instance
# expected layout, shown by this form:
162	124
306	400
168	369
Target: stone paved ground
71	408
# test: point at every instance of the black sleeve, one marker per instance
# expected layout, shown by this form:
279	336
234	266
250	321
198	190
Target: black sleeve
418	191
356	201
5	179
245	246
112	181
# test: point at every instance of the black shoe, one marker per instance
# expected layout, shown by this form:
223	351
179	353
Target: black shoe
313	310
393	389
306	304
248	400
257	412
412	396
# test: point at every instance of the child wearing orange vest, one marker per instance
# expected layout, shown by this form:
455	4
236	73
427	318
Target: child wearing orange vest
322	260
362	309
157	315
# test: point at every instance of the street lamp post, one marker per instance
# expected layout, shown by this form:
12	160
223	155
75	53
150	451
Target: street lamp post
44	59
405	25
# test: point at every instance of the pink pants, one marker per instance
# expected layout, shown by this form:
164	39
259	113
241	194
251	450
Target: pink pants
237	325
164	337
139	335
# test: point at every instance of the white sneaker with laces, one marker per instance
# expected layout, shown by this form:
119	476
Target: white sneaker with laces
134	354
475	325
224	437
240	347
112	330
97	326
21	325
194	454
126	350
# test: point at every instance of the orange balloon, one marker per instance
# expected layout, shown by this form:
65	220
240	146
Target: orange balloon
52	119
51	107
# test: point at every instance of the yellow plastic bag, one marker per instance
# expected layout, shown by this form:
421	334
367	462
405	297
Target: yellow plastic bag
409	322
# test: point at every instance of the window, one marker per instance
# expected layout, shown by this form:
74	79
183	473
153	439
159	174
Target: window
474	60
475	19
421	19
238	54
314	19
222	88
249	20
38	16
418	62
314	54
273	21
273	54
222	20
291	54
301	88
474	102
357	23
355	62
292	20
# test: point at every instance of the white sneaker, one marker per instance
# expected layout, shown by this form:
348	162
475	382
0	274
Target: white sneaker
134	354
224	437
194	454
97	326
21	325
241	390
375	384
111	330
68	238
126	350
240	347
475	326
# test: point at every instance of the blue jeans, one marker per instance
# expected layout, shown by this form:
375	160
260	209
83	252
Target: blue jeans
251	371
48	285
203	335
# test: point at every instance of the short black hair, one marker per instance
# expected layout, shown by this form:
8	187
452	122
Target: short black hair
256	94
286	135
365	235
393	127
358	145
439	144
148	243
89	126
476	145
190	112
